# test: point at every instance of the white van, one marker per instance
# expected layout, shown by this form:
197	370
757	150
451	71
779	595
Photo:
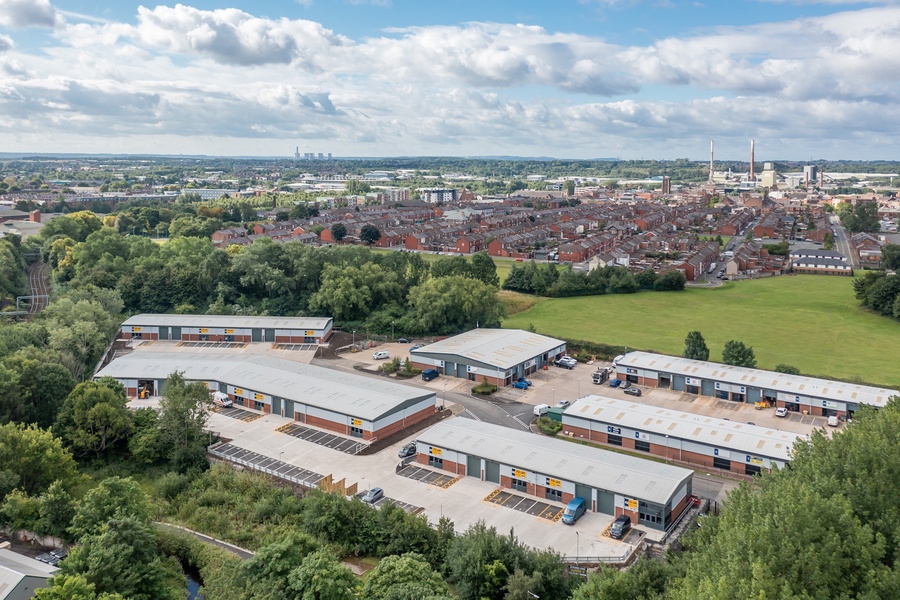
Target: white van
381	355
541	409
833	421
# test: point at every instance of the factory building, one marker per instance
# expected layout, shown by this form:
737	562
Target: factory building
690	438
651	493
808	395
222	328
346	403
500	355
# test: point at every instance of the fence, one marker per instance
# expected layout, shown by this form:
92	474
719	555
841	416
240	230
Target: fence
308	482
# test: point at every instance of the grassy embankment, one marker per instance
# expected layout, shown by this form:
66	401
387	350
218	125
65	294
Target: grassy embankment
811	322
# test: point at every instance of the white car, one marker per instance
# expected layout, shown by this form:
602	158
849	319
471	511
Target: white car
781	412
381	355
833	421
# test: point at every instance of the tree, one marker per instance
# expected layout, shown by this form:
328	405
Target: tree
369	234
483	268
450	305
787	369
56	511
114	498
322	577
695	346
31	459
407	577
124	558
890	257
737	354
71	587
829	241
647	579
268	572
338	232
569	187
184	411
94	418
671	281
356	187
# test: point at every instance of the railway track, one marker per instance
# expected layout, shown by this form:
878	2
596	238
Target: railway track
37	282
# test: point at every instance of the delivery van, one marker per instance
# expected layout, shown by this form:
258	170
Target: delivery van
541	409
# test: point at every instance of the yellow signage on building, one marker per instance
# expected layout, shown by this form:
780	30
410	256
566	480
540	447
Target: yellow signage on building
436	451
229	331
238	392
756	460
204	330
519	474
556	483
631	504
308	332
259	396
356	422
136	329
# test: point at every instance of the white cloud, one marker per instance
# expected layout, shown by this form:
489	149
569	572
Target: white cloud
29	13
6	43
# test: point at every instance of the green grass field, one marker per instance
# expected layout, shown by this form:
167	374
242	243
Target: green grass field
811	322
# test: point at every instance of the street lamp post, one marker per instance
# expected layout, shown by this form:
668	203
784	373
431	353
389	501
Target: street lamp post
444	398
553	391
354	339
577	547
667	448
392	330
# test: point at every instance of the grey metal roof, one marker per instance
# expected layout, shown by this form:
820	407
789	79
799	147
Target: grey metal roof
339	391
503	348
712	431
618	473
14	567
766	380
159	320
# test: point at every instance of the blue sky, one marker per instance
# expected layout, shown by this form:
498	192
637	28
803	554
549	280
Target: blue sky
571	78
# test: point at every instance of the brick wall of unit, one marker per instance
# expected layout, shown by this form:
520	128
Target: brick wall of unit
450	466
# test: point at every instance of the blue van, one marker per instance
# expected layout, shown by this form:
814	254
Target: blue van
573	511
429	374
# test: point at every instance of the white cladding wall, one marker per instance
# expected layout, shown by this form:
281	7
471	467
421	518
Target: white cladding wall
489	371
214	331
640	372
248	394
536	478
139	329
332	416
448	455
406	412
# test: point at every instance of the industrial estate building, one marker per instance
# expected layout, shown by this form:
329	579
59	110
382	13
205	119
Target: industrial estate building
346	403
651	493
222	328
686	437
21	576
500	355
740	384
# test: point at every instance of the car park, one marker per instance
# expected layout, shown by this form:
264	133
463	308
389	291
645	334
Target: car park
381	355
521	385
373	495
525	381
402	341
781	412
620	527
633	391
563	404
407	450
614	383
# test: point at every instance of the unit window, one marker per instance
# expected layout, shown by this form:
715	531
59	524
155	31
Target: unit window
737	397
309	340
722	394
692	389
722	463
229	338
615	440
436	462
553	494
631	378
204	337
137	336
257	405
752	470
519	485
649	514
642	445
356	432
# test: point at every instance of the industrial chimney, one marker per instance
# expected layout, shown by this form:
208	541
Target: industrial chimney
752	173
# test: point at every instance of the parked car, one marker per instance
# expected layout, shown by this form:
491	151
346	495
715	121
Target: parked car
407	450
615	382
625	385
563	404
416	347
48	559
620	527
833	421
402	341
373	495
381	355
573	511
525	381
633	391
520	385
429	374
566	363
781	412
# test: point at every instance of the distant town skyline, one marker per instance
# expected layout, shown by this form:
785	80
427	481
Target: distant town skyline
575	79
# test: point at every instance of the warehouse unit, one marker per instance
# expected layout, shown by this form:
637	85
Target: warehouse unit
796	393
651	493
499	355
347	403
221	328
677	435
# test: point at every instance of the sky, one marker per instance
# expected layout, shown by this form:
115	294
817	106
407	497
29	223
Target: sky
630	79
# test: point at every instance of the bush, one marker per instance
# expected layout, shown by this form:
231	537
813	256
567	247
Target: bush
549	426
170	485
484	387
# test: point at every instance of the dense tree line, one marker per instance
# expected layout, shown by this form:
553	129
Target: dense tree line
551	280
358	287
